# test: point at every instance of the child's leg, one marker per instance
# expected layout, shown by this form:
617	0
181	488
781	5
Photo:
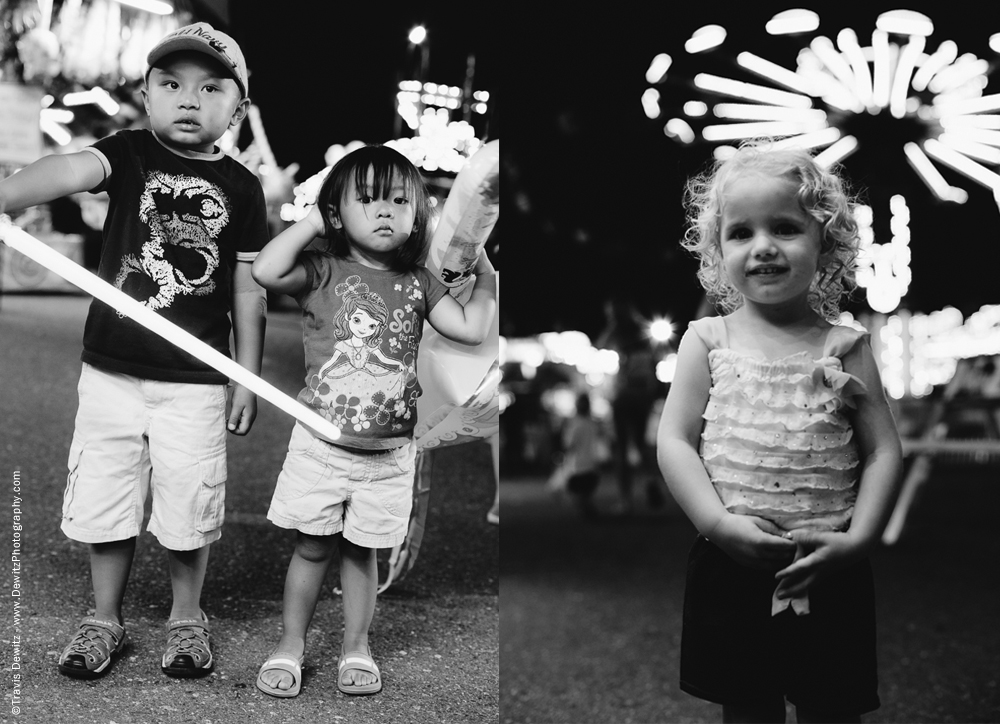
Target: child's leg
187	575
772	712
493	516
110	565
303	583
359	581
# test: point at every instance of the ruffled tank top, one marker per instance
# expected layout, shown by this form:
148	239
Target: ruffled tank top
776	440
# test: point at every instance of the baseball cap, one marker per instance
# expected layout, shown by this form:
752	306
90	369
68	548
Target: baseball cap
203	38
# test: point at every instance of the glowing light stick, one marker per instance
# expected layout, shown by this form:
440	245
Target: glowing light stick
72	272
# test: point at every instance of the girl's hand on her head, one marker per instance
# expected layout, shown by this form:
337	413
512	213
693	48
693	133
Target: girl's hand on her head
817	553
752	541
315	218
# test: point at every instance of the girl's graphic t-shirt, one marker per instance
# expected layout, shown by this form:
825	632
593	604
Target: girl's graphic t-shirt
361	328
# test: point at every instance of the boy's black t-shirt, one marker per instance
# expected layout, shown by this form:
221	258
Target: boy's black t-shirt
175	229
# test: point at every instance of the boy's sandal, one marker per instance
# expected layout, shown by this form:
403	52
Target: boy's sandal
93	650
189	652
282	662
362	661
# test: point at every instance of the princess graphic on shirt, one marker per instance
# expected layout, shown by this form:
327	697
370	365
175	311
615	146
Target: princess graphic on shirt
360	383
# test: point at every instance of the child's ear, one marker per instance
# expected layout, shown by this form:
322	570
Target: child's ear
334	213
240	112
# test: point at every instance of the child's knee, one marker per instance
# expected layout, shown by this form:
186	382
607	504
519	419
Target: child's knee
315	548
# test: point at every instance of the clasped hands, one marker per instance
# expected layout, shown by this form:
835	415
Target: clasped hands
800	557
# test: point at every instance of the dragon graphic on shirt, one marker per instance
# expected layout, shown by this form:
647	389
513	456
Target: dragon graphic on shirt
185	212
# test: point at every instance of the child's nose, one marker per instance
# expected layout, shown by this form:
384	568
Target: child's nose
763	244
188	99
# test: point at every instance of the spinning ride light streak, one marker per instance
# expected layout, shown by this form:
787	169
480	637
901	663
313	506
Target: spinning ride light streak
901	72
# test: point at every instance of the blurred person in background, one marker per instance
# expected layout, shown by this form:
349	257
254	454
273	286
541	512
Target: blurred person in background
635	391
584	449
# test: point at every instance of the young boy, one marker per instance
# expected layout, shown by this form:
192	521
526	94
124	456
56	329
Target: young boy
184	226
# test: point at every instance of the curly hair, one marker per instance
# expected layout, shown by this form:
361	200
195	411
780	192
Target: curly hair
822	194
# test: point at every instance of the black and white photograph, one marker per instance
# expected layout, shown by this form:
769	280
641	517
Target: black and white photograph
705	520
249	379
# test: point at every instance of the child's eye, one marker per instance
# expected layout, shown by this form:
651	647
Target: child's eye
738	234
401	200
365	199
787	229
211	88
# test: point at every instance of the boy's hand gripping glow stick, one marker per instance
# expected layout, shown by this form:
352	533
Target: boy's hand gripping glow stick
52	260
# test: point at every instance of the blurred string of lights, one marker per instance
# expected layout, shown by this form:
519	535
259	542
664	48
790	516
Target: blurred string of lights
440	142
916	352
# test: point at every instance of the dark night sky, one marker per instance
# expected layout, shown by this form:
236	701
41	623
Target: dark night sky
323	73
597	187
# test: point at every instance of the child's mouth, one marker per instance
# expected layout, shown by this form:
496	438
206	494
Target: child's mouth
767	271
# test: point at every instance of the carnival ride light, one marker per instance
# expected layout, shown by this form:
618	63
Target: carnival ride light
658	68
964	123
750	91
905	22
774	72
788	22
962	164
931	176
882	57
157	7
841	69
837	152
774	129
944	56
651	103
811	139
754	112
57	115
695	109
705	38
680	129
936	90
970	148
847	41
901	79
965	69
967	106
56	132
98	96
